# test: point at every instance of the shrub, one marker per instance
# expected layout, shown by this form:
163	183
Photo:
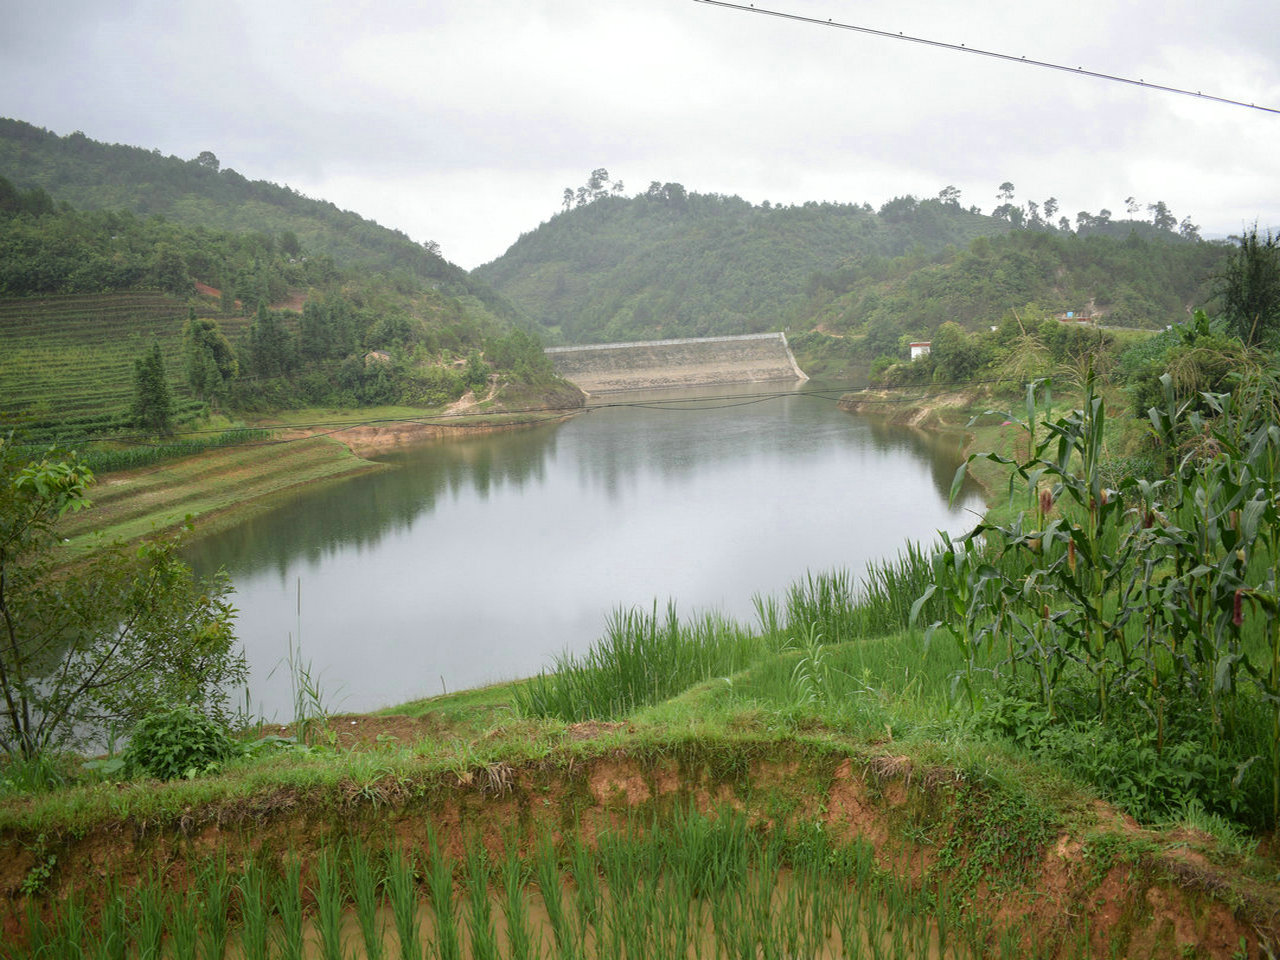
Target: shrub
180	742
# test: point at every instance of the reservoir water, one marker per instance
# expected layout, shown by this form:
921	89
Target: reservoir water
478	559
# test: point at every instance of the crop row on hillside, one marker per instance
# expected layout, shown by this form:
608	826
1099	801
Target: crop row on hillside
68	362
138	503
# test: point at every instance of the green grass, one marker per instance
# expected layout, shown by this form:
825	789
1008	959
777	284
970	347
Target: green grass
831	673
644	658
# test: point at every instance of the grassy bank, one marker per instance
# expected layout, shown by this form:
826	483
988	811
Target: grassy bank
1054	742
275	457
987	419
827	733
219	488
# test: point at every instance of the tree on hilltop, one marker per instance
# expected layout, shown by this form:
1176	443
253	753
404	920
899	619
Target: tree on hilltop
1161	217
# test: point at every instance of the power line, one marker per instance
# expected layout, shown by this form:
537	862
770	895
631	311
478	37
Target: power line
962	48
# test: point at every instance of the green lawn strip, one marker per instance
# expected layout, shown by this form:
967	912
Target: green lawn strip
220	486
331	416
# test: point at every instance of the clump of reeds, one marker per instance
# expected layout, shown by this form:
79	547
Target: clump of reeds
643	658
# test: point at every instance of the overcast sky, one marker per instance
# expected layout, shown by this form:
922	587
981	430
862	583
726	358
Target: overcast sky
462	121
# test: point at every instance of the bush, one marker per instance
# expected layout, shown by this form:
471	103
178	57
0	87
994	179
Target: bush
181	742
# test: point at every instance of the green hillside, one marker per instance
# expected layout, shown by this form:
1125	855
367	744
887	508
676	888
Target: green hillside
67	363
673	264
200	193
1131	282
244	322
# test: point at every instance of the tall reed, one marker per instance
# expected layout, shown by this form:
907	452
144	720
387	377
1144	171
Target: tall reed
643	658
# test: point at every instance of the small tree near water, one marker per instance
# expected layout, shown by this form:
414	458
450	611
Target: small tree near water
119	637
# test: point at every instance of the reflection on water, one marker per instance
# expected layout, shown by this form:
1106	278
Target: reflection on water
478	558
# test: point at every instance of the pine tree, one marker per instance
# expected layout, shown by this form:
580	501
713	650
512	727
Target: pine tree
152	404
210	360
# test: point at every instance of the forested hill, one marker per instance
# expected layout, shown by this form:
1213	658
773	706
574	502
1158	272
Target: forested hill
90	175
672	264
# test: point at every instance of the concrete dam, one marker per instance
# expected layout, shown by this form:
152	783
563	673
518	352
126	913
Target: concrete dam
652	364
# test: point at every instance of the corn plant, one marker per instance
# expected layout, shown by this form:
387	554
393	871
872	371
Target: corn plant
1148	588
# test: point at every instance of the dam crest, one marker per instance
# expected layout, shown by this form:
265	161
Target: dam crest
656	364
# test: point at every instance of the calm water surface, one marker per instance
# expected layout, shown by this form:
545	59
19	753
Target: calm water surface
478	559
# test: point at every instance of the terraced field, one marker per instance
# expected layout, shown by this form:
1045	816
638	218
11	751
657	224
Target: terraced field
213	485
67	362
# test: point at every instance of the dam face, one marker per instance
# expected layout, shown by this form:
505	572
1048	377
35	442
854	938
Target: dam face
653	364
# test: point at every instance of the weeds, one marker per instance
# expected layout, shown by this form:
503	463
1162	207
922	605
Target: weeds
643	659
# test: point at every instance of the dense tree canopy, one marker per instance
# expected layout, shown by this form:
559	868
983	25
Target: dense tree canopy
203	195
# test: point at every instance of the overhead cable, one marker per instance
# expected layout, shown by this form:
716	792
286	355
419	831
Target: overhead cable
962	48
